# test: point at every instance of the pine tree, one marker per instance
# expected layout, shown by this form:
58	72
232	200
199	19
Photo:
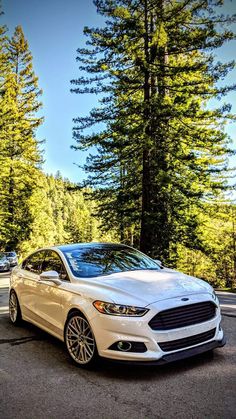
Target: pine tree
4	67
19	149
154	65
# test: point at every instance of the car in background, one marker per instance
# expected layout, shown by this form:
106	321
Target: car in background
112	301
4	263
12	258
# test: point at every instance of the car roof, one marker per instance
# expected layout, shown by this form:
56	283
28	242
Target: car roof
75	246
95	245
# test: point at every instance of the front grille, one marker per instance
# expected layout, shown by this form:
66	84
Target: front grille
173	345
183	316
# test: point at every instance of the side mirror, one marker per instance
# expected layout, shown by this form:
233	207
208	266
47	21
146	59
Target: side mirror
50	276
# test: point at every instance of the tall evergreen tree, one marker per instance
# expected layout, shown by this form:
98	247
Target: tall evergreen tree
19	148
4	70
154	65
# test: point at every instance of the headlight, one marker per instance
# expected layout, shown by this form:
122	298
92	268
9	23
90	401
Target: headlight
215	298
119	310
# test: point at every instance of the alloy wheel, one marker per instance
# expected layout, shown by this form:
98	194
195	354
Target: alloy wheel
13	307
79	339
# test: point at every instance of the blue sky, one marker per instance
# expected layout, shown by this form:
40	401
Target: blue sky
54	30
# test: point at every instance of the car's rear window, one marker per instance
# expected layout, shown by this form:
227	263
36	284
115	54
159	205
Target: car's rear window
90	261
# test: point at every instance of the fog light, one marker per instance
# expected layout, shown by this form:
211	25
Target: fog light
124	346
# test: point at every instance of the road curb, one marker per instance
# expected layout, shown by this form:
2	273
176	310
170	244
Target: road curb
228	314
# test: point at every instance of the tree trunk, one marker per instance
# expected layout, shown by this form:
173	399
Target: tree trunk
145	216
154	238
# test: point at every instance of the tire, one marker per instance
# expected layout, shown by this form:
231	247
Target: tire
14	309
80	341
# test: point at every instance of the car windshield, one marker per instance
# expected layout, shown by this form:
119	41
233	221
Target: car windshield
10	254
90	261
2	256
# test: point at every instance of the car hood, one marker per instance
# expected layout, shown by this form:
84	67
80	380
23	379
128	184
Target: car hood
146	287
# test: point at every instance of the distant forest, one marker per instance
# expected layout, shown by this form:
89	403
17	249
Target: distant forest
160	176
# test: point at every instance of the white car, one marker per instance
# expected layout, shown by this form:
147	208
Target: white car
112	301
12	258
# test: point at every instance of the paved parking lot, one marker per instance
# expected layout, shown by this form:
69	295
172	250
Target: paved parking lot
37	380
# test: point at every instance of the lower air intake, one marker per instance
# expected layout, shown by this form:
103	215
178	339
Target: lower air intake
174	345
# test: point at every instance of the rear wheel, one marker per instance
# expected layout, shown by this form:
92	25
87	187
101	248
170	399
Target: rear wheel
14	309
80	341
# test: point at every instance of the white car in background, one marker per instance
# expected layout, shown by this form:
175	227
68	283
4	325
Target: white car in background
12	258
112	301
4	263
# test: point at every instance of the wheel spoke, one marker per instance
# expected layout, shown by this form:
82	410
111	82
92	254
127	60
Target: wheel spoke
88	338
13	307
73	343
72	330
73	338
86	328
77	325
80	322
90	344
84	353
77	350
88	350
81	353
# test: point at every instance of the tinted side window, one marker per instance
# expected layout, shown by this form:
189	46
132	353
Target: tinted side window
24	263
52	262
33	263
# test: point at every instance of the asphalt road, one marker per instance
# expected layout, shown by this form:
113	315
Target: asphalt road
38	380
228	303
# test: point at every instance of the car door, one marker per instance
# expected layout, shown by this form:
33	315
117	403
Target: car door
27	288
51	297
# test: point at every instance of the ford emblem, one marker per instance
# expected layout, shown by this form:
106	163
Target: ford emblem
184	299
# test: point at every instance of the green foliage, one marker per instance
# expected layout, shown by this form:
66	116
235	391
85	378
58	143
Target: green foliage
215	262
20	156
35	210
60	215
161	153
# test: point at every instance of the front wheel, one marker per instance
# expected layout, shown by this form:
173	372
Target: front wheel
14	309
80	341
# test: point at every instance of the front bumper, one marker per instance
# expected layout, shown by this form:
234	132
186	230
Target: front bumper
178	356
110	329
